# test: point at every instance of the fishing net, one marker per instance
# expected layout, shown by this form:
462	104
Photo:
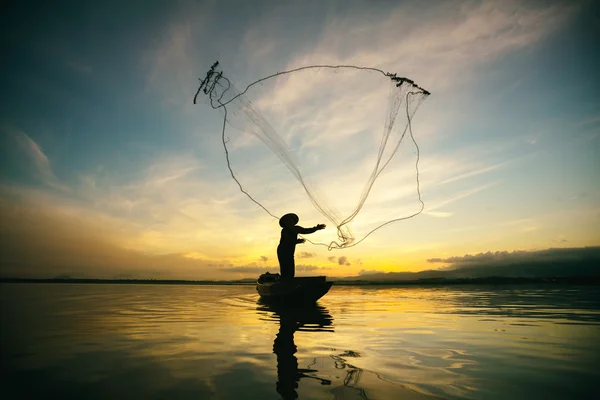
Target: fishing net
338	130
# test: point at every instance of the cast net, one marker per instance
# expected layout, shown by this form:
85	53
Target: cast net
338	129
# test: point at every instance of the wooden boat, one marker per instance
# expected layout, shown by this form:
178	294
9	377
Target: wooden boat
271	287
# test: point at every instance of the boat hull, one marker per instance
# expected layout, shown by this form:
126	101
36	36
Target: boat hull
294	290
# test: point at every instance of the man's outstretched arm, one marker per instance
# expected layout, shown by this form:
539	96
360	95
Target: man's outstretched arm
306	231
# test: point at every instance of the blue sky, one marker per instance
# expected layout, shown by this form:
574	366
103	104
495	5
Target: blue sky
108	169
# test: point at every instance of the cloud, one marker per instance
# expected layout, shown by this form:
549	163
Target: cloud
563	262
438	214
475	172
435	260
166	207
435	44
560	239
253	270
37	157
504	257
370	272
169	68
170	168
305	254
343	260
42	240
308	268
256	45
550	262
590	120
247	270
459	196
264	258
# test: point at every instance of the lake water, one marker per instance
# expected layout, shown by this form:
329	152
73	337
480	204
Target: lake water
100	341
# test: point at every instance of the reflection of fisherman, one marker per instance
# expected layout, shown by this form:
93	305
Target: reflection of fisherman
289	239
287	363
288	373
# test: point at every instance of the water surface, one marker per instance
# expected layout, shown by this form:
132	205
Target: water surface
219	342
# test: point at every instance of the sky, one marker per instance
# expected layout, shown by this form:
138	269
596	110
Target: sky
108	170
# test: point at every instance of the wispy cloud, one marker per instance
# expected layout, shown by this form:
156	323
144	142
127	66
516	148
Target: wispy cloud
169	68
305	254
466	193
245	270
370	272
438	214
256	45
474	173
253	270
38	159
589	121
436	44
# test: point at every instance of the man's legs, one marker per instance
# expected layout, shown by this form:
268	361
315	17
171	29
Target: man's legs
286	264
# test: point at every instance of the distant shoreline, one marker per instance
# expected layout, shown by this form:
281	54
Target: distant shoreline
583	280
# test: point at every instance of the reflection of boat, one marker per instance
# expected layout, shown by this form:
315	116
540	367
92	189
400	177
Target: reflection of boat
307	317
294	290
291	320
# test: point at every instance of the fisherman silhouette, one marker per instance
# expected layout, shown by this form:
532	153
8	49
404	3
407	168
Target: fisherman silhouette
288	241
